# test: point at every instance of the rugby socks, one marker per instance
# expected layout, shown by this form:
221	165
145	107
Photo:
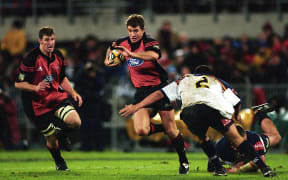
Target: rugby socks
178	144
247	149
259	116
155	128
209	150
55	152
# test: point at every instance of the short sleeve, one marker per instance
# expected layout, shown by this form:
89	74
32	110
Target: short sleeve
28	64
153	45
171	91
231	97
27	68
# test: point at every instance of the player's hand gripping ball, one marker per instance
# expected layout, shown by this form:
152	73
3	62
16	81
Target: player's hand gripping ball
116	56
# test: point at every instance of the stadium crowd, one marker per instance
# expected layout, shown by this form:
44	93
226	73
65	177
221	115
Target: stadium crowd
262	59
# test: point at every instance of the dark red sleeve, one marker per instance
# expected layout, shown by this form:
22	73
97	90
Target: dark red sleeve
27	68
153	45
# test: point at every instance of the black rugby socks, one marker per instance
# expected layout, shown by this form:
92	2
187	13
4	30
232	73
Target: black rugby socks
209	150
155	128
55	152
178	144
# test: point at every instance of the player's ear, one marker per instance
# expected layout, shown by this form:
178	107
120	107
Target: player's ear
39	40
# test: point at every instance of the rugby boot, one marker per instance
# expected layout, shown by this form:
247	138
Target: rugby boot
184	168
268	172
265	108
61	166
220	172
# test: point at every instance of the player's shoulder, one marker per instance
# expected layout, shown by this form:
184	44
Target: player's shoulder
31	58
59	54
121	40
147	38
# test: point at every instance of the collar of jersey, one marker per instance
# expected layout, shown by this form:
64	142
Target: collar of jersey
47	57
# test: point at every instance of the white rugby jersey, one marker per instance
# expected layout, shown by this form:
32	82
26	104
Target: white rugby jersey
202	89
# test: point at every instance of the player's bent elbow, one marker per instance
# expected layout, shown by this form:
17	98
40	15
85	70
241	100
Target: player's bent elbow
105	63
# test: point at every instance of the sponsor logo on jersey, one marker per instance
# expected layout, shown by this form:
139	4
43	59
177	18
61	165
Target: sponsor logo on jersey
39	69
135	62
48	78
258	146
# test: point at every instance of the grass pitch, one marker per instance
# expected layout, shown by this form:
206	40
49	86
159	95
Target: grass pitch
118	165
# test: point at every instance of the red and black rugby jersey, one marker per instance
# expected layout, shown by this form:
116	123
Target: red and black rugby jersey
143	73
35	68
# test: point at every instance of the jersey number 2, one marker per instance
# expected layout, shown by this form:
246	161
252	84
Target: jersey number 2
202	83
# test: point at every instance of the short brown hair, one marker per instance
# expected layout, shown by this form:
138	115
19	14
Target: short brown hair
48	31
203	69
135	20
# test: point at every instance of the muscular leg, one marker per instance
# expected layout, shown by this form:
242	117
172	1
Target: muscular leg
70	122
142	121
271	131
169	124
73	120
174	134
233	136
53	147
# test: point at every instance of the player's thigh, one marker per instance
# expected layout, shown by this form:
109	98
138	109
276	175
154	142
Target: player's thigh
45	124
195	117
68	114
142	118
73	119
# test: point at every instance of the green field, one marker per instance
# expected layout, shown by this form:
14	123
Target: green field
118	165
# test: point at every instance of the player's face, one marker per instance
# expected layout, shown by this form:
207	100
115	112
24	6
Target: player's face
135	33
47	43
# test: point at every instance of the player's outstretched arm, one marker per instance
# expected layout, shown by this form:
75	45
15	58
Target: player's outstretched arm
146	55
69	89
241	167
108	62
130	109
25	86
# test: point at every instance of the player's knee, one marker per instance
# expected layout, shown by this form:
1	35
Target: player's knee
141	132
75	123
171	132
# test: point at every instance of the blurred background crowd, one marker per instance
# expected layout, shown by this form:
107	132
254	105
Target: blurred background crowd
257	65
